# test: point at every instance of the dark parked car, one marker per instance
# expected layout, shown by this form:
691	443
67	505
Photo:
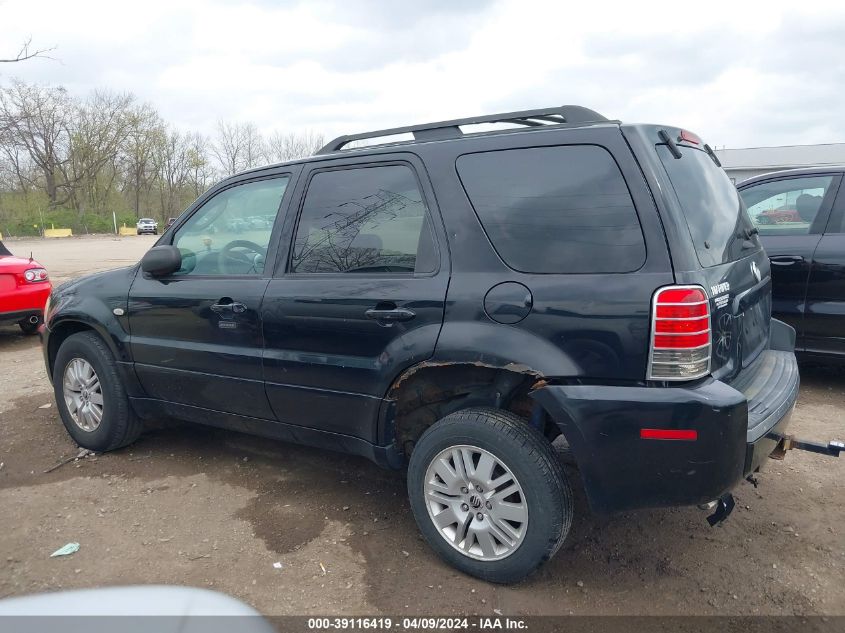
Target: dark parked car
455	303
807	253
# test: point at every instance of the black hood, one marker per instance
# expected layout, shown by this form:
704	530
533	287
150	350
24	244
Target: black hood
4	252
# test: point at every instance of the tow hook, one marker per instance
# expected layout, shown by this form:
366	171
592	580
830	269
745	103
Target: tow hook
724	506
787	443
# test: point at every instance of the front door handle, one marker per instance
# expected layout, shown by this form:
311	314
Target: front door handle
230	307
785	260
391	315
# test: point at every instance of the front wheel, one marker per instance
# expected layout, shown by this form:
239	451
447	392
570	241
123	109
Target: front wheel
489	494
90	396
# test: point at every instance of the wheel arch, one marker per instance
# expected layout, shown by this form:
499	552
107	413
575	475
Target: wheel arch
431	390
66	327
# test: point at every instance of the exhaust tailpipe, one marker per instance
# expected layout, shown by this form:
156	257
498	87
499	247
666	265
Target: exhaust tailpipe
33	319
723	508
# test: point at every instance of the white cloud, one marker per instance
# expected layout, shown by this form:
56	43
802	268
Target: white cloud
737	73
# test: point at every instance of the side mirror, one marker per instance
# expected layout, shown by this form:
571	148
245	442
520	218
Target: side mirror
161	260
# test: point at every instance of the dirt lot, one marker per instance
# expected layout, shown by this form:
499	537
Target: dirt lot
204	507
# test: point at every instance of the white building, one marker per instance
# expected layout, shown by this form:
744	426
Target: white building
743	163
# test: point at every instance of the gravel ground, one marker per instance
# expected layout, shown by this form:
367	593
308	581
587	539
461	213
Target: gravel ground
204	507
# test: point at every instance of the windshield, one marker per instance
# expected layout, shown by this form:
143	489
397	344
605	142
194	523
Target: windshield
715	214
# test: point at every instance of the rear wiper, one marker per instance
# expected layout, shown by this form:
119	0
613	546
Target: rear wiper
712	155
673	149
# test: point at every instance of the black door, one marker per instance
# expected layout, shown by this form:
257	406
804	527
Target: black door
791	213
824	320
196	335
361	296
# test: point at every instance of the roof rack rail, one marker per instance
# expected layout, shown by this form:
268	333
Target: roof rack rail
451	129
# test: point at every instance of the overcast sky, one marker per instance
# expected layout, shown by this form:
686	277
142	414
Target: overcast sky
738	73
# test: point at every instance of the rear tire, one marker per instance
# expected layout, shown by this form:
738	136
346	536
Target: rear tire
525	462
90	396
30	328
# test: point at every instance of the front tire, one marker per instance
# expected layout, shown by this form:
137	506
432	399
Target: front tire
90	396
489	494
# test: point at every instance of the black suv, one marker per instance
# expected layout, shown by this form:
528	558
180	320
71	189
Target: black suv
456	302
800	214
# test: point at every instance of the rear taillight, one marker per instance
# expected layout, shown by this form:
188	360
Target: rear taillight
35	274
680	334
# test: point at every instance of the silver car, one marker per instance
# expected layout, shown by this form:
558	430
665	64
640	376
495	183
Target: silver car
147	225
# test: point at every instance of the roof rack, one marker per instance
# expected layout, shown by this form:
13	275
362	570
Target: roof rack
451	129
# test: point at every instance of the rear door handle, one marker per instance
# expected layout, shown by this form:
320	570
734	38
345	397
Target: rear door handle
232	307
785	260
394	314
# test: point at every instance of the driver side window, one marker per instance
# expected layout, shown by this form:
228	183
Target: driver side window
230	233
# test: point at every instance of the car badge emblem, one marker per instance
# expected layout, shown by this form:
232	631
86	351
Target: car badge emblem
756	270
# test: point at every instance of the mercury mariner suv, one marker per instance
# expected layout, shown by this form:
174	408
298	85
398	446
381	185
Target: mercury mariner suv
454	298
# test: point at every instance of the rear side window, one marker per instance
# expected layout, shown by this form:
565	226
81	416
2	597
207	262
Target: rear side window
561	209
715	214
364	220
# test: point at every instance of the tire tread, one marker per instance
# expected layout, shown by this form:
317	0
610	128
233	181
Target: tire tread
127	425
540	455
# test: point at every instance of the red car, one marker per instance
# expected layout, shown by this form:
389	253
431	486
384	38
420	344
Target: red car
778	216
24	289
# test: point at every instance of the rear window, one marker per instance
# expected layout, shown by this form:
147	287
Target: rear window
714	212
561	209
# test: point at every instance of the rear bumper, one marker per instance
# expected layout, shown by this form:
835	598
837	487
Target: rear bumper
621	471
24	301
19	315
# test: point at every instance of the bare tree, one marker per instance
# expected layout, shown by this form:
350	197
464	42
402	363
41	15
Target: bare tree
282	147
100	127
238	146
35	126
145	130
173	168
26	52
201	173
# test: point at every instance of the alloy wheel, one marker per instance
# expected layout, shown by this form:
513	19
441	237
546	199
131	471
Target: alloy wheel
83	394
476	502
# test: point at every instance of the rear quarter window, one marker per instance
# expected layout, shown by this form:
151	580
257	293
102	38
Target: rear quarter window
563	209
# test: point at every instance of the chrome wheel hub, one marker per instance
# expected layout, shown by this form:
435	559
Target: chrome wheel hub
476	502
83	394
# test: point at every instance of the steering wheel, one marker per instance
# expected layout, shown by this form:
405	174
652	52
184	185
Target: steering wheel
239	253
